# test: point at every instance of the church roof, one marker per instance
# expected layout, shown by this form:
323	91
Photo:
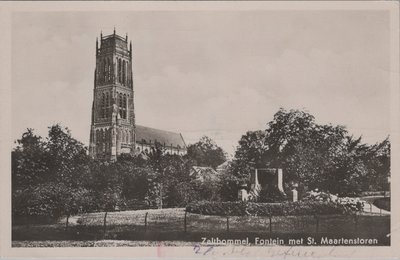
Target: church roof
149	135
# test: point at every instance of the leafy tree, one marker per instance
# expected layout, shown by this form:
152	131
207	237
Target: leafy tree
68	163
29	161
313	155
68	160
106	185
229	186
169	171
206	153
48	175
249	154
377	159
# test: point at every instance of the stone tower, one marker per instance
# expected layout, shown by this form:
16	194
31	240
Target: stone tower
113	119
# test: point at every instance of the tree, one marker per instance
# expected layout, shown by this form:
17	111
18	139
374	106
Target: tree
49	176
68	160
68	163
206	153
29	161
169	172
377	158
249	154
313	155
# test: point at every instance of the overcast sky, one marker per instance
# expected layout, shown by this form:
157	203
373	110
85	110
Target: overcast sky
208	73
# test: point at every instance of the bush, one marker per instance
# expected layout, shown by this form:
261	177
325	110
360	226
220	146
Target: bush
217	208
352	204
133	204
267	209
271	195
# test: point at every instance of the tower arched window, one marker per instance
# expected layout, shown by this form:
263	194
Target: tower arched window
127	73
124	108
98	136
107	104
123	136
109	68
119	71
120	105
123	72
103	105
104	70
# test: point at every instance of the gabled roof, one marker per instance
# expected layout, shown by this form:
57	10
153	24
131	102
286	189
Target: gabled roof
222	168
152	135
203	173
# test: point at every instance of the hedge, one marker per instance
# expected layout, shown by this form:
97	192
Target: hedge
266	209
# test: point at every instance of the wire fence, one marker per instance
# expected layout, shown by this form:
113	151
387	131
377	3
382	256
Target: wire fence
178	225
172	220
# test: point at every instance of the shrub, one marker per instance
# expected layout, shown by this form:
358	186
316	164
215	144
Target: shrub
352	204
267	209
271	195
217	208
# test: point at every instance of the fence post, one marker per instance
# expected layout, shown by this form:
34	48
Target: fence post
270	223
227	223
145	221
184	222
317	223
370	207
66	224
105	224
356	221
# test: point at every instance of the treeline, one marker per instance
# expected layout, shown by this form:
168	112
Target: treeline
55	177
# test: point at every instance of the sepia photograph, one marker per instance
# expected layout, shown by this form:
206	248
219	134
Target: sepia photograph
205	128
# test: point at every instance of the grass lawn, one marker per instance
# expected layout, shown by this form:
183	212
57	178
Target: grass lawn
98	243
132	228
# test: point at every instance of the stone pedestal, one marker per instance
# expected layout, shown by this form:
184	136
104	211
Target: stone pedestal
295	195
242	195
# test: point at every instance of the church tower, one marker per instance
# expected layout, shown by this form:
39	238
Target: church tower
113	119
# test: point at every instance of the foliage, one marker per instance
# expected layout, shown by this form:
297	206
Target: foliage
169	172
50	199
207	189
54	176
206	153
314	155
229	186
29	161
271	195
249	154
267	209
48	174
353	204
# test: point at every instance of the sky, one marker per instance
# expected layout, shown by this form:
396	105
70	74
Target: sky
214	73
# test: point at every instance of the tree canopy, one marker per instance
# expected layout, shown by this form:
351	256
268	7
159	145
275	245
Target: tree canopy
313	155
206	153
55	177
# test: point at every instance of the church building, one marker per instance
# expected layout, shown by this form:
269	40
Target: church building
113	129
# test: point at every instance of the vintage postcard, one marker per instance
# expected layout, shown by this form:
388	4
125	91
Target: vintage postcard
200	129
